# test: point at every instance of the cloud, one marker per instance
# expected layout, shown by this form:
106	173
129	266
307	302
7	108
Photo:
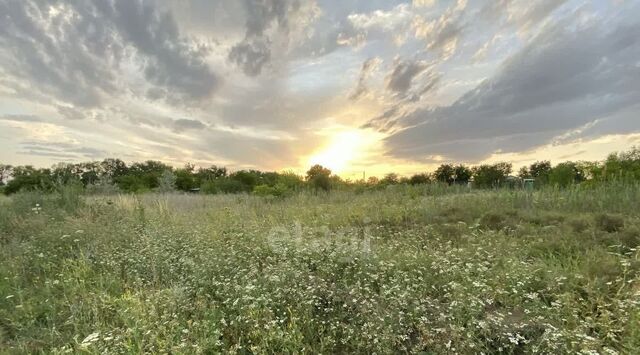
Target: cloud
423	3
183	124
266	21
529	13
401	77
567	77
377	25
75	52
368	67
251	56
61	150
442	34
21	118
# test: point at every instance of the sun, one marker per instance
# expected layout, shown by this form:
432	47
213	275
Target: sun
343	149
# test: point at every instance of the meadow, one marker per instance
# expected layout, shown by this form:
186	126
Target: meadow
407	269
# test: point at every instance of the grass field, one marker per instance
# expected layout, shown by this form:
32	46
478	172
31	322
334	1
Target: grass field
404	270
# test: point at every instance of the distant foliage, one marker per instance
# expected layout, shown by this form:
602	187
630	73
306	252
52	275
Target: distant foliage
418	179
319	177
390	179
491	176
114	175
565	174
167	181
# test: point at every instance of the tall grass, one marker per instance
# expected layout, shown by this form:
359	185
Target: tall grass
407	269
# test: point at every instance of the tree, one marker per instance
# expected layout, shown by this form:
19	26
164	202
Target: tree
487	176
565	174
64	173
318	177
29	178
167	181
248	178
462	174
210	173
113	168
290	180
186	180
418	179
90	173
445	173
523	173
146	173
390	179
540	171
5	172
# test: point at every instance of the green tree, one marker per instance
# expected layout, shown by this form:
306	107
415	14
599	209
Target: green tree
523	173
565	174
186	179
113	168
494	175
462	174
418	179
290	180
29	178
319	177
248	178
390	179
210	173
445	173
540	171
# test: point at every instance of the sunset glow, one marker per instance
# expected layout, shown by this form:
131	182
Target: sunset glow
343	149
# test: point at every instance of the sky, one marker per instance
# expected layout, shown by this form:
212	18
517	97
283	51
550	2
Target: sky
356	85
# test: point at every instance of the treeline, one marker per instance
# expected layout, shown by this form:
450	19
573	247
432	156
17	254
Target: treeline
114	175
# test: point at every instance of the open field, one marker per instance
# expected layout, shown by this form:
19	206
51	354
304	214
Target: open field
407	269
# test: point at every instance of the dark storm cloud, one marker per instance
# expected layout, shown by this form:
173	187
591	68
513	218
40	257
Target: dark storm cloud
73	51
568	76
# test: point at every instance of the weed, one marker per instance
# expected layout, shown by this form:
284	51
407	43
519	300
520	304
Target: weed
609	223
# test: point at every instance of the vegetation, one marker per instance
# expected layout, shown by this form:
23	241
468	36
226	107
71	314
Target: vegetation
406	269
113	175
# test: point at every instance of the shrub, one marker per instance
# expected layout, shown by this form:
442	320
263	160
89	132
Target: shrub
491	176
493	221
104	186
223	185
167	181
418	179
630	237
609	223
279	190
579	225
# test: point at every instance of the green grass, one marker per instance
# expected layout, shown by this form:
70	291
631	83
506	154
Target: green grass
407	269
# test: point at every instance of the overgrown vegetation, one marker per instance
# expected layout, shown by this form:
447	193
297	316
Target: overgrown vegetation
114	175
420	268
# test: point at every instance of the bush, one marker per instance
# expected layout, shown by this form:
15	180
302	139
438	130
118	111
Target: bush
630	237
493	221
222	186
104	186
609	223
579	225
69	197
279	190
